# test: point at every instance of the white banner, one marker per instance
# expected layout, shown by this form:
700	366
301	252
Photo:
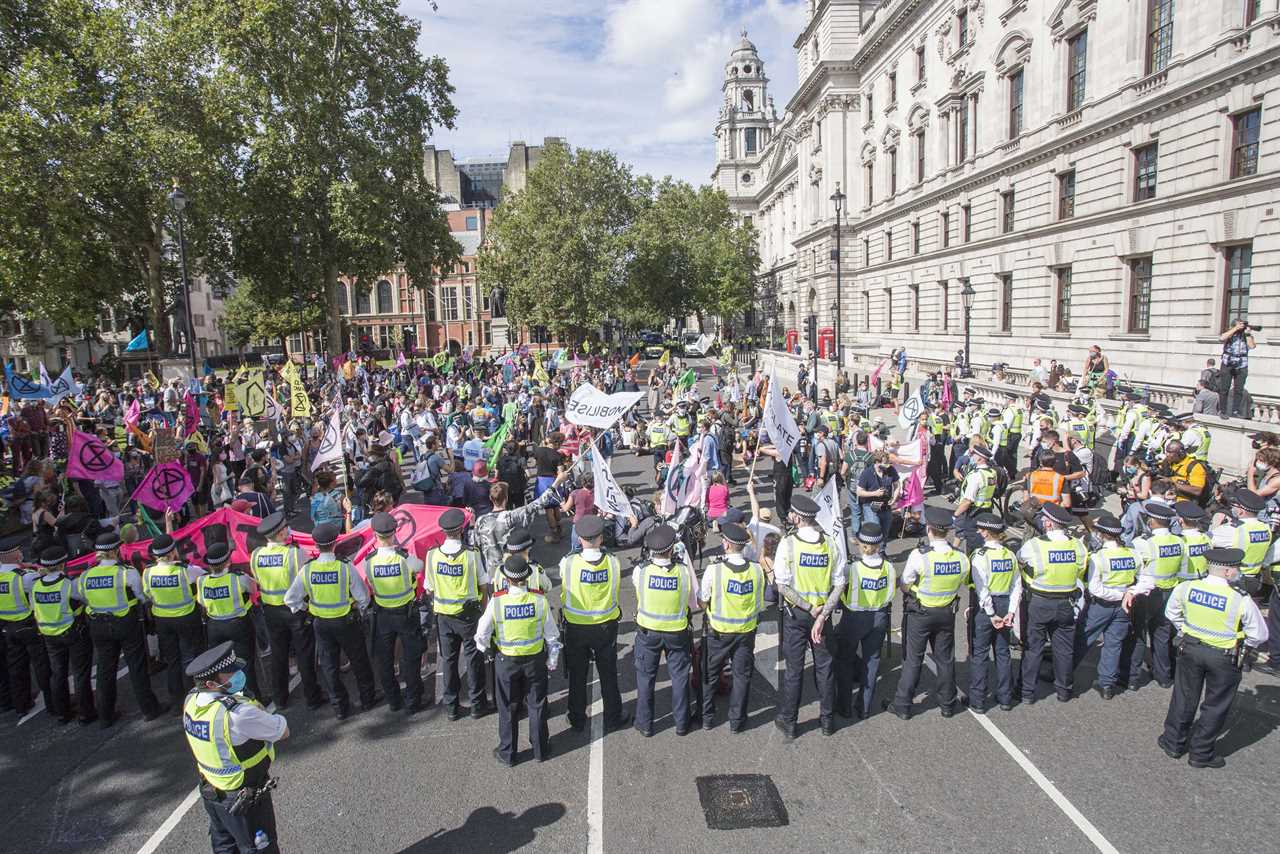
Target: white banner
778	422
64	386
609	497
590	406
909	414
330	449
830	518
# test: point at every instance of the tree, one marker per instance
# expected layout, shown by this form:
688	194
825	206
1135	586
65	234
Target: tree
254	314
344	105
558	248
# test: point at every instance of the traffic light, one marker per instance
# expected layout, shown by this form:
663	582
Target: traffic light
811	331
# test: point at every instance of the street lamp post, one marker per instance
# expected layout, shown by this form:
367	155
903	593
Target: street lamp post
178	201
296	240
966	299
838	198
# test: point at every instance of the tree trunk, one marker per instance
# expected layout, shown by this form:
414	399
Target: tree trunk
162	341
333	317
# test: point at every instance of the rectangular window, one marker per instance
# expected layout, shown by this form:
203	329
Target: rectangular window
1077	59
915	307
919	135
915	238
920	64
869	174
450	295
1159	34
1140	295
817	134
893	89
962	28
888	309
1006	212
487	328
1067	195
966	223
866	311
944	306
888	245
466	266
1239	278
866	251
1145	161
468	302
1252	9
871	107
1006	302
1063	299
431	303
944	226
1015	103
750	140
963	148
473	223
1245	130
893	171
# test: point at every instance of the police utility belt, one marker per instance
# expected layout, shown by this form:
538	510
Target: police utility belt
1232	654
242	799
1047	595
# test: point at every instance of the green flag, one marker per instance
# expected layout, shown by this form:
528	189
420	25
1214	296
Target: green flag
495	442
687	379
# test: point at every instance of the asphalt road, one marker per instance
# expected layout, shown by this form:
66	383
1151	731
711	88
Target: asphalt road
1052	777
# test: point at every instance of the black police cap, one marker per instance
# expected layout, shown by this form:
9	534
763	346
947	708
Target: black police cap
519	539
938	517
452	520
1224	557
870	534
1248	500
1189	511
803	505
660	539
735	534
271	524
990	522
982	452
13	542
589	527
1058	514
516	568
220	659
162	545
326	534
107	541
383	523
217	554
1158	510
53	556
1108	523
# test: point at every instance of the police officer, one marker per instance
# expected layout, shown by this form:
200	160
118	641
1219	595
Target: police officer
19	635
590	581
977	495
1164	553
458	584
1245	531
867	601
809	573
1116	576
658	436
666	592
997	587
682	422
1193	518
59	611
732	593
168	587
233	741
226	598
111	595
935	574
519	542
1213	618
1056	563
527	647
274	567
335	595
393	574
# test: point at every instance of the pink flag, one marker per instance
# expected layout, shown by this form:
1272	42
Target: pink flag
669	504
166	487
875	375
191	416
133	414
91	459
946	394
913	489
400	361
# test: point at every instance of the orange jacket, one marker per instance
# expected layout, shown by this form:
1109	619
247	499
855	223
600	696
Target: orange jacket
1046	486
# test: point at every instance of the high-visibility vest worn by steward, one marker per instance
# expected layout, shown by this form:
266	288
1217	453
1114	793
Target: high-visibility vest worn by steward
105	590
1211	612
663	598
737	596
14	606
1168	554
274	566
1000	564
224	596
1057	564
811	568
54	608
945	572
1253	537
590	594
1198	543
454	579
1119	567
1046	486
517	621
328	587
870	588
208	728
389	576
169	589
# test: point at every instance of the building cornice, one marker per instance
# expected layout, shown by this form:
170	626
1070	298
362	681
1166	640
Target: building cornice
811	27
880	34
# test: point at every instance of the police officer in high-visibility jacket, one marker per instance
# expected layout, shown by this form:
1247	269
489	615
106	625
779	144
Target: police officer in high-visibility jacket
1214	618
19	636
1193	517
977	495
519	542
233	739
527	647
590	581
274	567
997	586
658	437
809	572
681	423
458	583
111	595
393	574
59	611
1055	565
666	592
169	587
335	595
1245	531
226	598
931	581
1164	553
1116	576
868	605
732	594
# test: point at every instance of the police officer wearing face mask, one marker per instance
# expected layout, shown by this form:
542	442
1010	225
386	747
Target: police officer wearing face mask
233	741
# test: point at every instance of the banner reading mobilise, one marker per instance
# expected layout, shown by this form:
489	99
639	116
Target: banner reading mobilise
592	407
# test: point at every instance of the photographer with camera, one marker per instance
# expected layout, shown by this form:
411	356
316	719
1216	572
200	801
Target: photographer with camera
1237	341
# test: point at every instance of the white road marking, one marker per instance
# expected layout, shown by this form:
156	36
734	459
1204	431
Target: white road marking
595	777
38	706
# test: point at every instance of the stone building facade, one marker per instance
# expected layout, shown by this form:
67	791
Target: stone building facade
1096	171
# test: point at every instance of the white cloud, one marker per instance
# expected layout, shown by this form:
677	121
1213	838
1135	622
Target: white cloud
639	77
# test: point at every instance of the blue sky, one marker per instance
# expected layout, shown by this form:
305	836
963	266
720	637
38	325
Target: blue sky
639	77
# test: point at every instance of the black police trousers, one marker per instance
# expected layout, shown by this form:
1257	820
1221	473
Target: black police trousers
290	632
649	647
181	639
23	651
1049	620
516	678
71	652
391	625
335	637
234	834
796	641
582	643
457	638
934	628
113	636
1205	671
244	641
738	650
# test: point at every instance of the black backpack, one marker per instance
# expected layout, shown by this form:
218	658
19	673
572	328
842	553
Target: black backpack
1211	478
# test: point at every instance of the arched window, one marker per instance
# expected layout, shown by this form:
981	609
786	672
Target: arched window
384	297
362	300
344	307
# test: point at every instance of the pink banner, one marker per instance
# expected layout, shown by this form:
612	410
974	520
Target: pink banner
191	416
132	414
166	487
91	459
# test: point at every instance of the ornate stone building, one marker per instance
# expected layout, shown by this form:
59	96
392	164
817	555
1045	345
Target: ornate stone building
1096	171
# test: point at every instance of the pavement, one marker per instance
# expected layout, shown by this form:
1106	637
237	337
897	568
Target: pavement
1052	777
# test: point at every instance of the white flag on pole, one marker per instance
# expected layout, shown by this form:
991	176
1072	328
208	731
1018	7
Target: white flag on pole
779	423
609	497
588	405
64	386
330	449
829	517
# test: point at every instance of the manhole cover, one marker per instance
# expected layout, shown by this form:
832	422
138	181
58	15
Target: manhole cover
738	801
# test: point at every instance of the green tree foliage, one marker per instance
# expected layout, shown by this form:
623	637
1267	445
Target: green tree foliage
253	314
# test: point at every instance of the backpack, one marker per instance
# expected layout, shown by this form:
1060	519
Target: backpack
858	461
1211	478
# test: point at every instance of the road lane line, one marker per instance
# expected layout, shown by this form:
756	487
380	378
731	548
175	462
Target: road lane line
595	776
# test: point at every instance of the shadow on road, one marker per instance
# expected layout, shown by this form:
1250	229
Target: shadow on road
1250	720
489	831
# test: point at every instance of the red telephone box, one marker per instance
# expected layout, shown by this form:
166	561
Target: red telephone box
793	341
826	343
